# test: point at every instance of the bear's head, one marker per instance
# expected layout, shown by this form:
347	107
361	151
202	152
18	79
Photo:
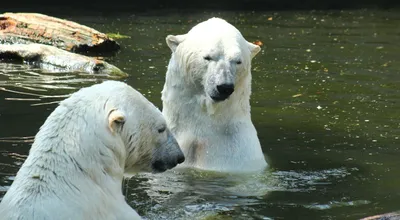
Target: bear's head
214	58
136	134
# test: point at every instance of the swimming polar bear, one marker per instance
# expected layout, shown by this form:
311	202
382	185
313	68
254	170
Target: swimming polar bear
77	162
206	98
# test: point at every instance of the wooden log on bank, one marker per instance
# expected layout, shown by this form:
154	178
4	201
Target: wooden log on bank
57	60
64	34
387	216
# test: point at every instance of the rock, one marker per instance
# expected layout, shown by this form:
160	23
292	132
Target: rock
64	34
57	60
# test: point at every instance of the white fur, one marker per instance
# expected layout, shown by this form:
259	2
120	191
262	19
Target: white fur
213	135
76	165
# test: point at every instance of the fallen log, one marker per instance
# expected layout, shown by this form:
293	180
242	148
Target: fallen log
64	34
387	216
57	60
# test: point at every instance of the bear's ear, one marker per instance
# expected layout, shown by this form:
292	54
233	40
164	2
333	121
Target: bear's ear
174	40
254	49
115	118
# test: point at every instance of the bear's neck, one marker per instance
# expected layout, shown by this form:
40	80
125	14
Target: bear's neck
68	150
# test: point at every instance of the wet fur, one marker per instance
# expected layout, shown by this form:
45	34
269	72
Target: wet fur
217	136
77	163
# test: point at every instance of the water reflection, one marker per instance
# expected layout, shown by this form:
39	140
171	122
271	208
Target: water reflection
38	87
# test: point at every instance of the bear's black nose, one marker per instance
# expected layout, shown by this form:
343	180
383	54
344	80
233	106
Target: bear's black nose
224	91
181	158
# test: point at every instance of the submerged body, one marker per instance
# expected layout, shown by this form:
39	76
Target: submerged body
206	98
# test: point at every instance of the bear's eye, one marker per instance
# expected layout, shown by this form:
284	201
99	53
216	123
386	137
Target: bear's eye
161	130
208	58
239	62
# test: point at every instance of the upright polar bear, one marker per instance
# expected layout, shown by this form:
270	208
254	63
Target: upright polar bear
206	98
76	164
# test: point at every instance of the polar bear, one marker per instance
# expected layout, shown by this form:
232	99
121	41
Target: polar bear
206	98
77	162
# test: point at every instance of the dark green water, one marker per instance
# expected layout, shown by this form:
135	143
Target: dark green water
325	103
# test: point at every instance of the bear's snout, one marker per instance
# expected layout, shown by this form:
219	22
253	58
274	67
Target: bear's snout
168	156
223	92
159	166
162	165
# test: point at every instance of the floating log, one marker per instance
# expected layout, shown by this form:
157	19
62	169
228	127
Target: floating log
64	34
387	216
57	60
